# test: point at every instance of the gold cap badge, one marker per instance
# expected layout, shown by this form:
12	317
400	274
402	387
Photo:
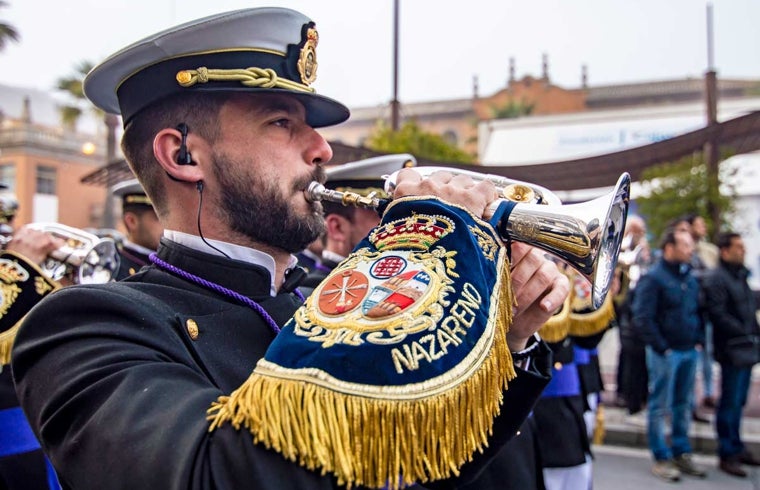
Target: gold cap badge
307	61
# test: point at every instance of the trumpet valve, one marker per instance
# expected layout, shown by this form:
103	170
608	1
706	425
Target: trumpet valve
359	201
518	193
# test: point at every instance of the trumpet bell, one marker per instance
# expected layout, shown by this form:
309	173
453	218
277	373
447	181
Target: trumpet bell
100	264
91	260
613	227
587	236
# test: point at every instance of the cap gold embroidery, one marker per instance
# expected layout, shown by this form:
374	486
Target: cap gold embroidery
307	61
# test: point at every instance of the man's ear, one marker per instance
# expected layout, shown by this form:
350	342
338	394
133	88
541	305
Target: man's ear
336	227
166	149
130	220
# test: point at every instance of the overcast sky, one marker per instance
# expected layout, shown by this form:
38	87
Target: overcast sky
444	44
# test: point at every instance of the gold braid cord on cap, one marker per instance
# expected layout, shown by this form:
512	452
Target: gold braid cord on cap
250	77
382	435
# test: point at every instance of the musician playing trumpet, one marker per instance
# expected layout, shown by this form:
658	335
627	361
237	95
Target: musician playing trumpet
185	373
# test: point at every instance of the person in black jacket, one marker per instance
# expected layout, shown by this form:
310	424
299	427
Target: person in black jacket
732	310
150	382
666	309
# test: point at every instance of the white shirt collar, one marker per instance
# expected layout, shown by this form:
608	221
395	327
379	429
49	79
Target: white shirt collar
332	256
235	252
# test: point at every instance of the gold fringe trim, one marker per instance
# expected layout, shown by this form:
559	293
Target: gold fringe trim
591	323
557	327
6	343
599	429
377	442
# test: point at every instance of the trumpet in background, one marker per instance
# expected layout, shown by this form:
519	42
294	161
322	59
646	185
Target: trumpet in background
85	258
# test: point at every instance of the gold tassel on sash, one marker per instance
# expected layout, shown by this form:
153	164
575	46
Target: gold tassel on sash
599	429
382	439
6	344
557	327
593	322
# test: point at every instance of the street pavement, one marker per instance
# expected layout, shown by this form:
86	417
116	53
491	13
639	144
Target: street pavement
626	468
630	430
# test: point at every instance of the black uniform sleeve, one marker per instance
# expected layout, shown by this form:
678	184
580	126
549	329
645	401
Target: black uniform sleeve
120	403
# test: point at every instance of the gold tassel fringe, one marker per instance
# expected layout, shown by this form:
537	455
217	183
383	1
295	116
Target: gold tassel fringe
557	327
599	429
374	442
587	324
6	343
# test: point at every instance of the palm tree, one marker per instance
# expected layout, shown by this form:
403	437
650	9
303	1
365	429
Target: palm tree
72	86
8	33
70	114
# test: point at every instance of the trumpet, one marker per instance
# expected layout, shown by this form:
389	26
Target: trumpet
85	257
587	236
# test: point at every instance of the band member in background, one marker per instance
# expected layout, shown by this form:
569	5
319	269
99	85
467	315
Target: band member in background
23	465
567	408
346	226
143	230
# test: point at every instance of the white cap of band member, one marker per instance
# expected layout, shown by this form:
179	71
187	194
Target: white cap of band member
252	50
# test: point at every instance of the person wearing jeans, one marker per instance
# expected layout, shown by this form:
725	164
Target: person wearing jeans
671	377
666	312
731	307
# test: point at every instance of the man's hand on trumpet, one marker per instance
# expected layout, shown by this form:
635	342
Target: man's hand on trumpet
539	286
33	244
454	189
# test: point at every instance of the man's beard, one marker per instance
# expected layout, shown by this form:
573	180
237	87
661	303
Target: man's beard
256	208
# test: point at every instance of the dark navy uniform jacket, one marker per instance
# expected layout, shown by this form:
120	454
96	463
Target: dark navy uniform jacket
131	260
116	379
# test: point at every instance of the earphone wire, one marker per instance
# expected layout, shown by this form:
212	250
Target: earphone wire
200	232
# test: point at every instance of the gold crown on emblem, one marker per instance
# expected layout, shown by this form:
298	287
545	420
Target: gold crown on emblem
418	232
10	271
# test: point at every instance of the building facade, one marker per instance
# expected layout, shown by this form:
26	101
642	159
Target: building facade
42	163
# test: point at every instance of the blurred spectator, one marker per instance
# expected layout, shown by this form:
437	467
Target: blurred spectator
665	310
635	257
731	307
705	258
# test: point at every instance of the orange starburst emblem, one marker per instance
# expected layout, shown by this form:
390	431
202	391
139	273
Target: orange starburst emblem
343	292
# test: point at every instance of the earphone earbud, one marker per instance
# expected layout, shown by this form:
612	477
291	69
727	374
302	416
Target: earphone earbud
183	156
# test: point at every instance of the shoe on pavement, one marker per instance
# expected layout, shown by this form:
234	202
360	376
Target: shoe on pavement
685	464
666	470
748	458
709	402
732	467
698	417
